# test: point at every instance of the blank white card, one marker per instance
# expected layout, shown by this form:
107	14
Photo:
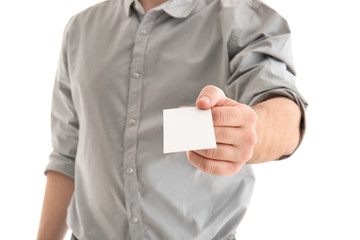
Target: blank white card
188	129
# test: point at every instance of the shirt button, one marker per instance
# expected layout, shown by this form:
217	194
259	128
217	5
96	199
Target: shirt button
132	122
134	219
129	170
143	32
136	75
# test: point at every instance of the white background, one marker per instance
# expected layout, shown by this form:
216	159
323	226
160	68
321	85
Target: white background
313	195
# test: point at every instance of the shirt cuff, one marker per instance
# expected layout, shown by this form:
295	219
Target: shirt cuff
60	164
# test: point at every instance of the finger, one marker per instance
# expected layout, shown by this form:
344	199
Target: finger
236	116
211	166
227	135
243	140
227	116
211	96
184	107
224	152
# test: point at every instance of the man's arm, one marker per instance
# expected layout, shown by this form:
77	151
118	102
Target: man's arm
268	131
58	192
277	129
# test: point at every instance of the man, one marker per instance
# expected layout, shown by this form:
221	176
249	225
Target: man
123	62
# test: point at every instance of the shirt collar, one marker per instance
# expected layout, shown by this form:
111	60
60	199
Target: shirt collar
175	8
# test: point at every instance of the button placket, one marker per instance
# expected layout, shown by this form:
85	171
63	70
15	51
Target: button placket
130	134
129	170
135	75
134	219
132	122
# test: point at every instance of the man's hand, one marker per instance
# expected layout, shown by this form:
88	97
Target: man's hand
234	125
267	131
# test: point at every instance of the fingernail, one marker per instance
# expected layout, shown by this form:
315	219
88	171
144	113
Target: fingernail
205	99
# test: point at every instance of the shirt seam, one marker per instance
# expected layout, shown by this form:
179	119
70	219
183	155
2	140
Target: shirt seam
235	36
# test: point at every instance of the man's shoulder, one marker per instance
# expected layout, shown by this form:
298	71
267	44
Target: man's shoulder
255	6
239	3
95	12
248	13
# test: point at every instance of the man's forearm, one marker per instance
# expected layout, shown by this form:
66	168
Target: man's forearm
58	192
277	128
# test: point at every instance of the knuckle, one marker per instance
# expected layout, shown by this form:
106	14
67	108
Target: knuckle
210	153
224	135
234	168
206	153
246	155
208	167
251	138
218	133
239	111
211	88
252	116
221	116
189	155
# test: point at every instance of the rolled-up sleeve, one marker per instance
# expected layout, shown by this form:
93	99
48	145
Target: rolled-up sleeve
261	61
64	119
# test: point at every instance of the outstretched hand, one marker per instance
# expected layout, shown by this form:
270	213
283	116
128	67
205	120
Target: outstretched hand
234	126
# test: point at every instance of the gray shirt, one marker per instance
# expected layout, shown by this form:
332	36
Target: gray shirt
118	69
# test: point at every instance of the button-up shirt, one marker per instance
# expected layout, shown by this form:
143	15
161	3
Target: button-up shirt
119	67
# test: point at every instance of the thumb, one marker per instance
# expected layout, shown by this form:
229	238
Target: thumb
211	96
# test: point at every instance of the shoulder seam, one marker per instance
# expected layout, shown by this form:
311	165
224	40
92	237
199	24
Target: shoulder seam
254	4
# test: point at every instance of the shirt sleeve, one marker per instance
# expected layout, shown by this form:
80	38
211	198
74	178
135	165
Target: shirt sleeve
261	62
64	120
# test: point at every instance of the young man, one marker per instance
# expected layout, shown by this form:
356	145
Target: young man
122	62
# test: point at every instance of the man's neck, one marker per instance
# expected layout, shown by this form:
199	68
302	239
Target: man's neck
149	4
